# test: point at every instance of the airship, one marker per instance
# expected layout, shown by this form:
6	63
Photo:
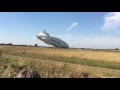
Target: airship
51	40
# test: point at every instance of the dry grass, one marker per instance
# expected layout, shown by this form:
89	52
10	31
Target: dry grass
78	53
53	69
0	53
81	54
107	59
72	62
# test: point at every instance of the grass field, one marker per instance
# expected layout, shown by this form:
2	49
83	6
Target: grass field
59	63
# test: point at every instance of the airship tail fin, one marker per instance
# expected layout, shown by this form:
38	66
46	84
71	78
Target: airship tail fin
45	32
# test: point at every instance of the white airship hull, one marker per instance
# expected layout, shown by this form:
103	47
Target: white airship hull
52	41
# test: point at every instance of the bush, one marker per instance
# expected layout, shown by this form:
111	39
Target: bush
36	45
27	73
116	48
85	74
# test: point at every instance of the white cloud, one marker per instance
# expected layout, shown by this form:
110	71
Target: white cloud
74	24
111	21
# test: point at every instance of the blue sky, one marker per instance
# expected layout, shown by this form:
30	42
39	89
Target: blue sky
79	29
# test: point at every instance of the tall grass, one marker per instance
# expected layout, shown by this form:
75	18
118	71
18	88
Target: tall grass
109	56
74	60
47	69
83	57
104	59
0	53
